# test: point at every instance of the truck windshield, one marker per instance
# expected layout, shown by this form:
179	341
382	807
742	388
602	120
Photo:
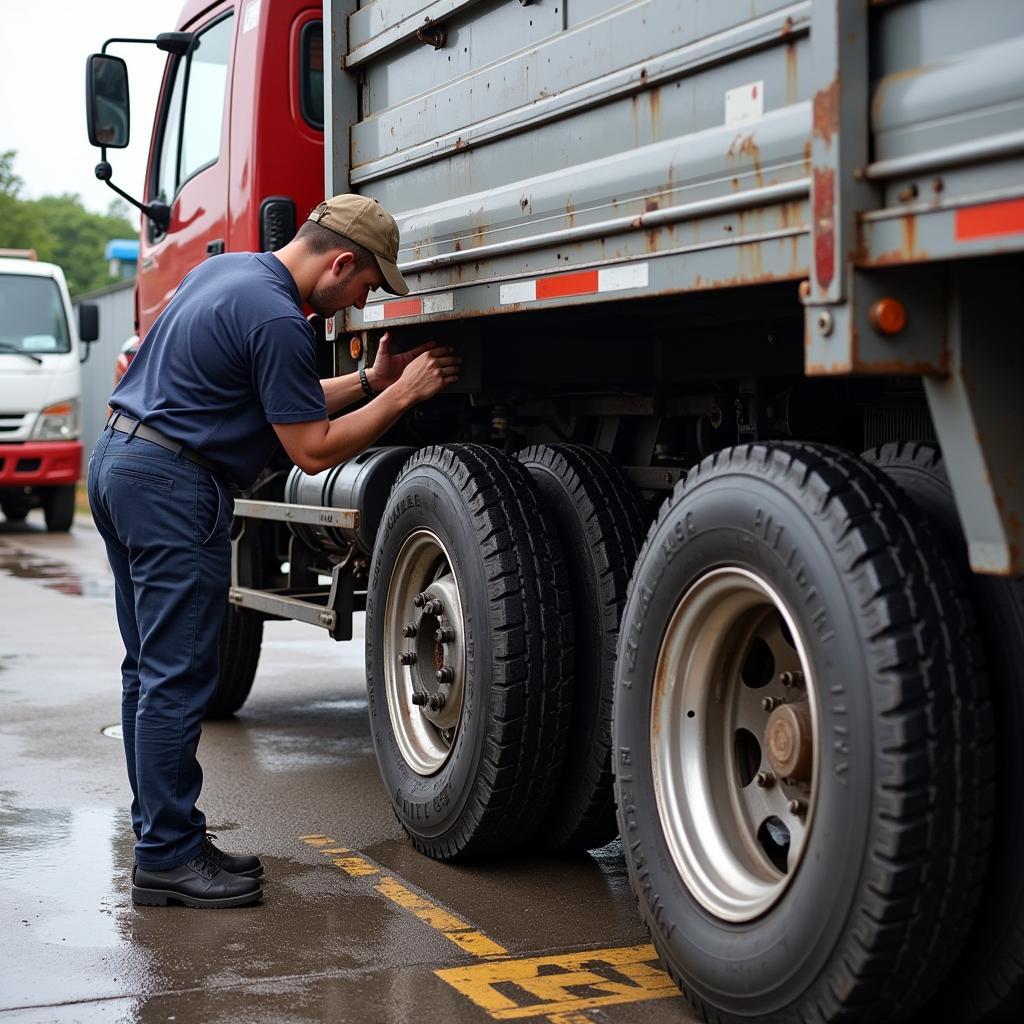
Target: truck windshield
32	315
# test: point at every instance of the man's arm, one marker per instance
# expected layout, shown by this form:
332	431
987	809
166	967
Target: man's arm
317	445
341	392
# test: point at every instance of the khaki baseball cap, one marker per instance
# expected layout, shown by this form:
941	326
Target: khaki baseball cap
365	221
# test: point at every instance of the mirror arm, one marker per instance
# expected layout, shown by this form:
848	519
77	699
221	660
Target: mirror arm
170	42
158	213
117	39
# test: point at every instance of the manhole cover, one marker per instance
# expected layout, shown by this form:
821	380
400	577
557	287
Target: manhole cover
114	732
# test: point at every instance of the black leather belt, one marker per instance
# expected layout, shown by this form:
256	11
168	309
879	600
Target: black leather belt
126	425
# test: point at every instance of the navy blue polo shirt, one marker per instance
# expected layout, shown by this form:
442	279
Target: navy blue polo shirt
231	354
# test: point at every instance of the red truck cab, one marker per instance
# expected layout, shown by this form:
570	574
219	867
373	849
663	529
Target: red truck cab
237	147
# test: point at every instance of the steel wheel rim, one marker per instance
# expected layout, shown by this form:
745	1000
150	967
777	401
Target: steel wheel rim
736	836
423	576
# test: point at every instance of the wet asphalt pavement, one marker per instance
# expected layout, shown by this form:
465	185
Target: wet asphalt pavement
355	925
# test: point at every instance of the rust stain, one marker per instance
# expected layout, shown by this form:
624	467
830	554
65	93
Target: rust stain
750	148
807	156
791	76
524	202
824	195
458	245
787	28
650	204
570	211
908	225
654	100
735	184
459	144
825	119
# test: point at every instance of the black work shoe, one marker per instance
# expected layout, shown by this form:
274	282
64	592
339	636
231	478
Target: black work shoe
199	883
237	864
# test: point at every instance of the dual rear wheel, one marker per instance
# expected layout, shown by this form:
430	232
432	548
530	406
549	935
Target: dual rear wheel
803	750
492	611
803	741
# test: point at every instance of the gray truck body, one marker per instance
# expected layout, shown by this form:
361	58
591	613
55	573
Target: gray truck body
545	156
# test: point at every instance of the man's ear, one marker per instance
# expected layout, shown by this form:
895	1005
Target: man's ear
341	261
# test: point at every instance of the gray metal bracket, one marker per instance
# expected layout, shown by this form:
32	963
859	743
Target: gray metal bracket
978	412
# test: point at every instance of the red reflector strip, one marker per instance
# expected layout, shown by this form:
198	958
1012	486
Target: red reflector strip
991	219
404	307
567	284
427	305
584	282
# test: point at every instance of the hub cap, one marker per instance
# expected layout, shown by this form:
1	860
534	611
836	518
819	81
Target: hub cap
424	656
734	741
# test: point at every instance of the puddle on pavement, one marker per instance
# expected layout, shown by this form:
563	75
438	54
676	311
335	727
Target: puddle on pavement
56	859
55	575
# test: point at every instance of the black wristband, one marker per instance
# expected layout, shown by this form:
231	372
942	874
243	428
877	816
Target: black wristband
367	389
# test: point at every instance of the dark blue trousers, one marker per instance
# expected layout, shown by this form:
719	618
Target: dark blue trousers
165	522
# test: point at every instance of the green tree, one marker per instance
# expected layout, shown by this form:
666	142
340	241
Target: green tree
60	229
20	226
79	239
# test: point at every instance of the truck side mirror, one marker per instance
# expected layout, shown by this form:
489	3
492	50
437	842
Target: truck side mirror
106	103
88	321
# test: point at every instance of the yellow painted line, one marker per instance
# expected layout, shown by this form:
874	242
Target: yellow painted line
463	934
543	986
357	867
557	988
353	865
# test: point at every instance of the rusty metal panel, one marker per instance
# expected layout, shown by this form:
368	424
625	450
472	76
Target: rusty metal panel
516	141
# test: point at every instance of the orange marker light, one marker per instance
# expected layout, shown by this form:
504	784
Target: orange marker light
355	348
888	316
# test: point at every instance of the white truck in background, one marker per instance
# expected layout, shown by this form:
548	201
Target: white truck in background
40	389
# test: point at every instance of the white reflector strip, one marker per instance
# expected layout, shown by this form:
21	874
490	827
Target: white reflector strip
518	291
442	302
618	279
373	314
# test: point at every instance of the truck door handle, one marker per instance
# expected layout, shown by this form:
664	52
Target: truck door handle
215	248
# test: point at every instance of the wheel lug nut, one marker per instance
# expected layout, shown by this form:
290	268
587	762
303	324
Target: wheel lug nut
420	600
771	703
798	807
420	697
436	701
794	678
445	675
444	635
407	658
765	779
409	630
433	608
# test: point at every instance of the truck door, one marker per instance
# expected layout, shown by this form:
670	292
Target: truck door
188	167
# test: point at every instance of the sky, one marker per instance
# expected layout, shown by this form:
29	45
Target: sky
43	47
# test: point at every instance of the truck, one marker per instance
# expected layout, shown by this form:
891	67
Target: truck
40	389
716	544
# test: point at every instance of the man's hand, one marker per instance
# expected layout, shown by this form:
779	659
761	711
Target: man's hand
433	369
389	366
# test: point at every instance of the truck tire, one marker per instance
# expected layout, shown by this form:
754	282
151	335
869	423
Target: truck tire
465	548
600	521
802	741
988	982
15	512
59	508
241	636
